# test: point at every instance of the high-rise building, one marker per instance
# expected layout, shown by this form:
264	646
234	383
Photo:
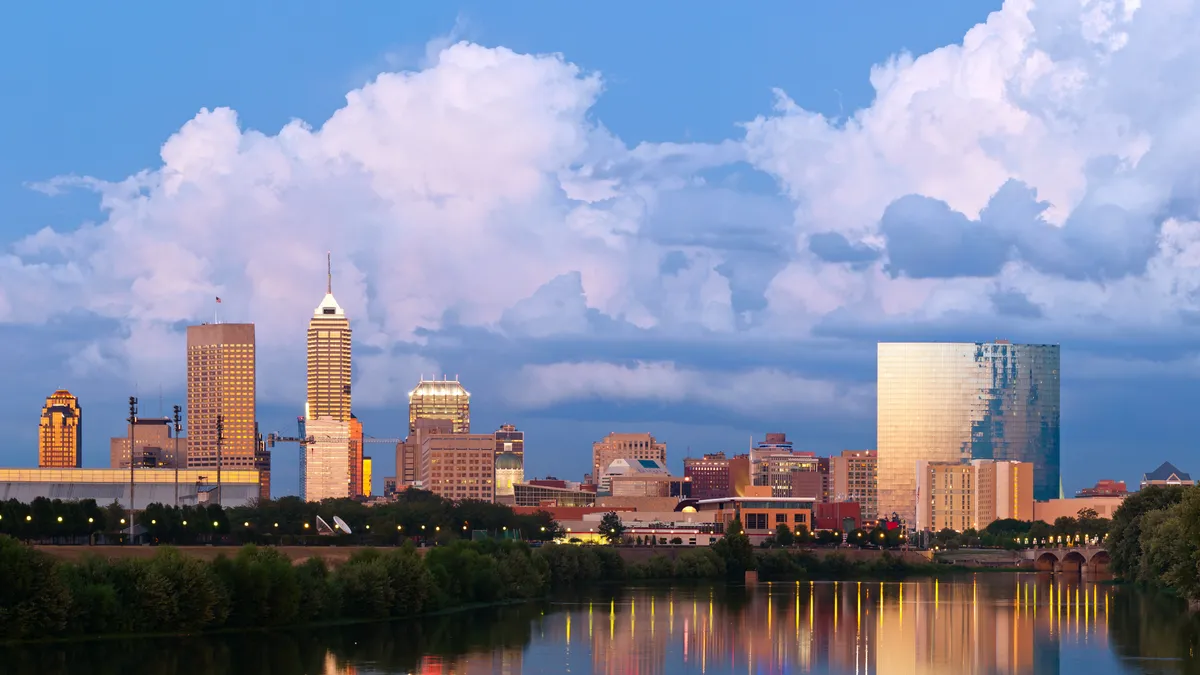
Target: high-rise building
443	399
624	446
774	461
854	477
221	384
366	477
155	446
459	466
709	475
333	464
408	452
60	432
964	495
326	466
356	457
328	360
954	402
510	461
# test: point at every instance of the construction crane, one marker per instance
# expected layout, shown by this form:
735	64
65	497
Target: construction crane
304	440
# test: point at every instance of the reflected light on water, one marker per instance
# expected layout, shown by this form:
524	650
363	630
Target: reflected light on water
991	624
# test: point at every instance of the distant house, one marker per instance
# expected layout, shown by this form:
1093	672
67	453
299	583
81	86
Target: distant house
1166	474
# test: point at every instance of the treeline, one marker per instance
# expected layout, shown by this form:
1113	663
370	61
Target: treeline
1155	539
417	515
43	597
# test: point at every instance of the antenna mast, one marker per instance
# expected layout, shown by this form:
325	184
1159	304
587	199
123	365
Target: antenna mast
329	273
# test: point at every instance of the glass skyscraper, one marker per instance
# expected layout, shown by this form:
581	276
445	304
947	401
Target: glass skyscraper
949	402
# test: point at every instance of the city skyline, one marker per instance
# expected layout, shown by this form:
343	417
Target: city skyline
704	242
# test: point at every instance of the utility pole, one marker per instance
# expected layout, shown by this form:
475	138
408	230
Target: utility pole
177	410
133	402
220	438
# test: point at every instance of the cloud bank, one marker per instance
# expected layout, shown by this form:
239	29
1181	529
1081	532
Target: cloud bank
1040	178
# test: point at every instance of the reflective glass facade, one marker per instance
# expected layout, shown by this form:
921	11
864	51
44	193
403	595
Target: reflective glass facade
952	402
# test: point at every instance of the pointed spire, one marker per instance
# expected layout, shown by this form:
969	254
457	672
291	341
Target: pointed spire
328	273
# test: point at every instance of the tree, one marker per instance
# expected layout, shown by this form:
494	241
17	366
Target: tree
784	536
803	536
1124	535
827	537
611	528
735	549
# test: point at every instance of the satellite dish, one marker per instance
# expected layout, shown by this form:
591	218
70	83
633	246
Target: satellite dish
341	525
323	527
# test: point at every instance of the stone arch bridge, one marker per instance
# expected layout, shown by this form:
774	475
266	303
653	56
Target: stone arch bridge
1073	560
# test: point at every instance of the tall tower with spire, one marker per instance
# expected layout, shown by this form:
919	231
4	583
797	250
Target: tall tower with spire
328	358
328	466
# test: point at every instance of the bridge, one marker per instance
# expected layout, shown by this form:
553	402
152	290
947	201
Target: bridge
1087	560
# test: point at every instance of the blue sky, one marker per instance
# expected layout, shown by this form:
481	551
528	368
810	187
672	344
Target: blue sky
690	220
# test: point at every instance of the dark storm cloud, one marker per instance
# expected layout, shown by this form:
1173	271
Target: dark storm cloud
1015	304
833	247
1099	241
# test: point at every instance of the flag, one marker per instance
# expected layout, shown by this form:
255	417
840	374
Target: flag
218	300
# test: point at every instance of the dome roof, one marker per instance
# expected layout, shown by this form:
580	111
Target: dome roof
509	461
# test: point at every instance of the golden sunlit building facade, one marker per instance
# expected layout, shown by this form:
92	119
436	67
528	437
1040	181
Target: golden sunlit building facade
443	399
332	465
955	402
221	384
366	476
60	432
459	466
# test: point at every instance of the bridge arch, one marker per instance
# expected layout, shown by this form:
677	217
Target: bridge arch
1099	562
1073	562
1046	562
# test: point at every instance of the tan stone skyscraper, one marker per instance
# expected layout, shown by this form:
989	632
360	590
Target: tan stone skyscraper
328	360
60	433
329	464
221	382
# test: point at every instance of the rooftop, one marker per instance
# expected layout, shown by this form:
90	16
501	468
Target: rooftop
1166	472
443	387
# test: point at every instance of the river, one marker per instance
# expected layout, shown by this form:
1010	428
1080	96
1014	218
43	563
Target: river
981	624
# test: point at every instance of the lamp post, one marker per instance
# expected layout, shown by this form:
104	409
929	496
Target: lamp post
220	439
178	427
133	402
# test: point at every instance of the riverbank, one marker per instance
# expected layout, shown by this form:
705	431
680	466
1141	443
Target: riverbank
156	590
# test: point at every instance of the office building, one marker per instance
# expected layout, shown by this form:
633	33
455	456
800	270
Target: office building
366	477
155	446
1166	475
551	492
443	399
964	495
60	432
356	457
510	461
710	476
329	360
1104	488
773	462
624	446
332	465
854	477
408	452
459	466
151	486
760	515
220	388
325	463
954	402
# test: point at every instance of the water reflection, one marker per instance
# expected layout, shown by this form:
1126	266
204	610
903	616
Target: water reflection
990	624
